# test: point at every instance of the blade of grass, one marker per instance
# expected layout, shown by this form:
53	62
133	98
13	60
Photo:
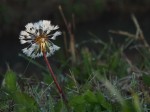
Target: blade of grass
33	62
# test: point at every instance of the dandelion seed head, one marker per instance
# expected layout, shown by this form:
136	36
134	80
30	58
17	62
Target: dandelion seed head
38	36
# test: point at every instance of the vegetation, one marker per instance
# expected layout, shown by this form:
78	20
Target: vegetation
95	76
100	80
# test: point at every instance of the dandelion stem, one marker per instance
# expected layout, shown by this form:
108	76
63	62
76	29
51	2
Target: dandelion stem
54	78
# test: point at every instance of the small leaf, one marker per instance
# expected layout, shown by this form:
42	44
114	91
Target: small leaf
10	81
101	99
77	100
136	102
24	102
77	103
90	97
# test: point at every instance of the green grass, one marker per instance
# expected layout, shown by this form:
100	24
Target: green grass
104	79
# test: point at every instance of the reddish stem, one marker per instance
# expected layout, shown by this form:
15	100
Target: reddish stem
53	76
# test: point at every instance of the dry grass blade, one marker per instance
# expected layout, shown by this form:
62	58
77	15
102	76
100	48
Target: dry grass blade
68	25
139	33
137	36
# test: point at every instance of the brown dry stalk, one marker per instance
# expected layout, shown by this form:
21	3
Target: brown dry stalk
68	25
137	36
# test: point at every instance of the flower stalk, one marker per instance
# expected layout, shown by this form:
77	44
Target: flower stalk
54	78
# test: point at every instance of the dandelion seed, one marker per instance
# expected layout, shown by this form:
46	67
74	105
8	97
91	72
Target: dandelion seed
38	36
